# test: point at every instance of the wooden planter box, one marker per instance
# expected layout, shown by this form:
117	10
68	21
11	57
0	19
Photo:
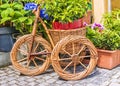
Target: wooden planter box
108	59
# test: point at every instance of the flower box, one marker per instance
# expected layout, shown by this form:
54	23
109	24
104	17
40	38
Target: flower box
108	59
70	25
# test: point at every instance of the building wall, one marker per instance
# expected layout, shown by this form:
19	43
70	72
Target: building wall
99	8
115	4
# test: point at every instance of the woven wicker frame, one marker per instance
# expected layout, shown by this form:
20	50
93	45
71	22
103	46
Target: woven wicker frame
57	65
23	69
57	35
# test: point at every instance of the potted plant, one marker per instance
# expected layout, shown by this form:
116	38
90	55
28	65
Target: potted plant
66	14
12	14
12	18
107	43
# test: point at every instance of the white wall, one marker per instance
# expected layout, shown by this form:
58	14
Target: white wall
98	10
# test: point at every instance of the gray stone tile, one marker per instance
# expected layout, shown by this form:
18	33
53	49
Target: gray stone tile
114	84
103	77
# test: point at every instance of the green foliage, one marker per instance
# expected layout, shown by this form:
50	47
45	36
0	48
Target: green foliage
13	14
65	10
112	20
107	39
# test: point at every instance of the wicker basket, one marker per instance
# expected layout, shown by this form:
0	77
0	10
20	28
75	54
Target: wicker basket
57	35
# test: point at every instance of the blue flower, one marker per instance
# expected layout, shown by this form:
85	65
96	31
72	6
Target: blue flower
44	15
30	6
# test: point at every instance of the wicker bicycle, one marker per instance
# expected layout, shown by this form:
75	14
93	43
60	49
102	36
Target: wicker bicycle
67	50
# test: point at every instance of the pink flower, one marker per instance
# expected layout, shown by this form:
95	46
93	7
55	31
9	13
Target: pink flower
85	24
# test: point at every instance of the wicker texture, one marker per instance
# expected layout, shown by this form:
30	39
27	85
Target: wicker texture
76	75
57	35
18	48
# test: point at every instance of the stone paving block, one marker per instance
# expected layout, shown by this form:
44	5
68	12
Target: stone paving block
39	77
10	78
40	80
12	82
30	80
114	84
51	80
106	83
76	85
53	74
14	85
59	82
43	84
54	84
65	84
23	83
5	84
92	84
114	80
47	77
102	77
32	84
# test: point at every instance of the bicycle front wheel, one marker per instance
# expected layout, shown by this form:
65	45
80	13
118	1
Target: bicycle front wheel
31	60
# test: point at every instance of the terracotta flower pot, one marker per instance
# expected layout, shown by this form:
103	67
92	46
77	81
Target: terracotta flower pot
119	55
108	59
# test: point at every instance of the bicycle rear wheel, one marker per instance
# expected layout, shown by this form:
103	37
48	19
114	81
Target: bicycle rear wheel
81	50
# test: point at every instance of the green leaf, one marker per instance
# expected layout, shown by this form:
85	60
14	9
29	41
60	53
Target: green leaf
18	6
4	14
22	19
29	22
5	20
10	11
18	14
5	6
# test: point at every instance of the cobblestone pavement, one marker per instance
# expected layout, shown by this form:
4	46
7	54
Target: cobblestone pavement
101	77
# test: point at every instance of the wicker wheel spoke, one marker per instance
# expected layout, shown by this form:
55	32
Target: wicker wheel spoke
81	49
21	60
62	59
82	64
67	66
24	52
65	59
73	45
41	59
28	63
74	68
66	52
85	56
35	63
36	47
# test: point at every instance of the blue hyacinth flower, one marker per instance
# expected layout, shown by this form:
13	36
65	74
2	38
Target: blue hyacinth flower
43	14
30	6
